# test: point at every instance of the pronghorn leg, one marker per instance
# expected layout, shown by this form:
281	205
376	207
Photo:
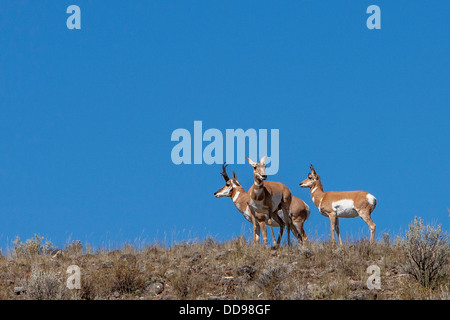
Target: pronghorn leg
281	224
338	232
332	225
258	232
304	236
256	228
367	219
299	223
298	227
287	219
274	241
262	224
255	235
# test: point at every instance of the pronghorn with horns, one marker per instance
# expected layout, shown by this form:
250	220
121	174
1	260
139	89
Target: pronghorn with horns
340	204
265	198
299	210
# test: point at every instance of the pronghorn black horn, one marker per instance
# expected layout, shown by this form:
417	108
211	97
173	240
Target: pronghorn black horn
224	172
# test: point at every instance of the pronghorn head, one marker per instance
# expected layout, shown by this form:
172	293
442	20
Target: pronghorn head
313	177
230	184
259	169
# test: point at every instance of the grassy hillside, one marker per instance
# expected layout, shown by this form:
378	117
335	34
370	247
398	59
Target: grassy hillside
225	270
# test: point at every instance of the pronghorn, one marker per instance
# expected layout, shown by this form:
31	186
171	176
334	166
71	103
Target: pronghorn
340	204
265	198
299	210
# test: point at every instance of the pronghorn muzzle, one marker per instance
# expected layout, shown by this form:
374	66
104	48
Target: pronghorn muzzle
305	183
223	192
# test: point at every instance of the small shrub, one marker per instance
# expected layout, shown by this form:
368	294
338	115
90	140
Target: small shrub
74	249
31	247
45	285
186	285
127	278
271	281
427	252
88	288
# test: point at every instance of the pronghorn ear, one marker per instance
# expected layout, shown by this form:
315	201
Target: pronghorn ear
312	170
252	163
263	160
235	181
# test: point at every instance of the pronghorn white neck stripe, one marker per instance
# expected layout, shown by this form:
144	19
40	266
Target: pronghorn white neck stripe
236	196
258	184
258	191
315	188
320	203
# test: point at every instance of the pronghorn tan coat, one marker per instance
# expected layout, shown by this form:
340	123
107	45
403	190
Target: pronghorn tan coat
341	204
265	198
299	210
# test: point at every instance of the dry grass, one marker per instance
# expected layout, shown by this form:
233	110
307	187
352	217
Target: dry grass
218	270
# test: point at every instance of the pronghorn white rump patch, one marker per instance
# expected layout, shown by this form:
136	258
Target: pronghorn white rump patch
236	196
371	200
345	208
307	210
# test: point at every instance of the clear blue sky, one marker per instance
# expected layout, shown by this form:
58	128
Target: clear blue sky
87	115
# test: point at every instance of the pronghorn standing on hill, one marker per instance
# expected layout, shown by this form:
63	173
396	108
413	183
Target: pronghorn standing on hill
340	204
299	210
265	198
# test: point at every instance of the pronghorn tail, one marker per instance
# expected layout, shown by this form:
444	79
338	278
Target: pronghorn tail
372	201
